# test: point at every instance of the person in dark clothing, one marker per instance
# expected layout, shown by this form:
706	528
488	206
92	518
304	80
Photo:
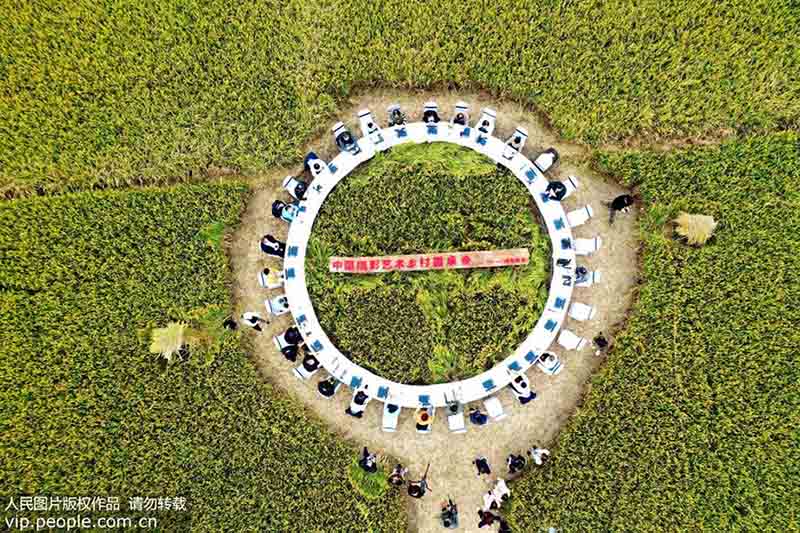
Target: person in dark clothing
292	335
601	344
460	119
476	417
555	191
515	463
581	274
417	489
368	461
272	246
290	352
327	387
230	324
449	516
358	404
430	117
487	518
504	527
308	160
620	204
310	363
396	116
482	464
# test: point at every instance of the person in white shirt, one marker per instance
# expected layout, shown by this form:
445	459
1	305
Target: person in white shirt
539	455
501	492
253	320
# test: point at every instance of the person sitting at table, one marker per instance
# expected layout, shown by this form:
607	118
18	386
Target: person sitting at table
347	143
327	387
460	119
292	335
482	465
368	461
284	211
476	417
396	115
310	362
290	352
272	246
555	191
430	116
484	126
521	388
581	274
359	403
424	418
515	463
539	455
398	475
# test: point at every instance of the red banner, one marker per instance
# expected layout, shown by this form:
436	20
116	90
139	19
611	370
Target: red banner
439	261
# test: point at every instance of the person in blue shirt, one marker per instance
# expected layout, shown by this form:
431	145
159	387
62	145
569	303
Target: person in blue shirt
476	417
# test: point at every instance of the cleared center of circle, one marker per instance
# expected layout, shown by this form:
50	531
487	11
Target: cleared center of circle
434	326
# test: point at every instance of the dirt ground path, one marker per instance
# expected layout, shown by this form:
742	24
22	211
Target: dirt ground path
452	473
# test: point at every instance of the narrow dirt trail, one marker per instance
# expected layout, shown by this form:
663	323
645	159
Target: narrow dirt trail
452	473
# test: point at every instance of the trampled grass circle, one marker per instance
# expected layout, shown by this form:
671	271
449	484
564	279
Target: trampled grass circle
435	326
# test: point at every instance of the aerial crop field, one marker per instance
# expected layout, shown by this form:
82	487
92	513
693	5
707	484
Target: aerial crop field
692	425
86	410
426	327
132	134
148	93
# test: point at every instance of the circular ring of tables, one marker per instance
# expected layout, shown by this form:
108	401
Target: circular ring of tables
467	390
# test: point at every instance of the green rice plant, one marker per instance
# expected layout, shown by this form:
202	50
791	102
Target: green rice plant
372	486
86	409
691	424
420	327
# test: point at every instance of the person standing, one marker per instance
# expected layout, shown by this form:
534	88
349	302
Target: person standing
620	204
539	455
368	461
515	463
398	475
482	465
253	320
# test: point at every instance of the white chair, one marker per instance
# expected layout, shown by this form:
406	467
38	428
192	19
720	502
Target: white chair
549	364
591	278
486	121
580	216
581	312
271	279
391	414
318	167
572	184
587	246
461	114
570	341
494	409
455	419
370	128
278	305
301	372
516	142
547	159
295	187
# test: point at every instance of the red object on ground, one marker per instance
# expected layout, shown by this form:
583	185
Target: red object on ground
439	261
